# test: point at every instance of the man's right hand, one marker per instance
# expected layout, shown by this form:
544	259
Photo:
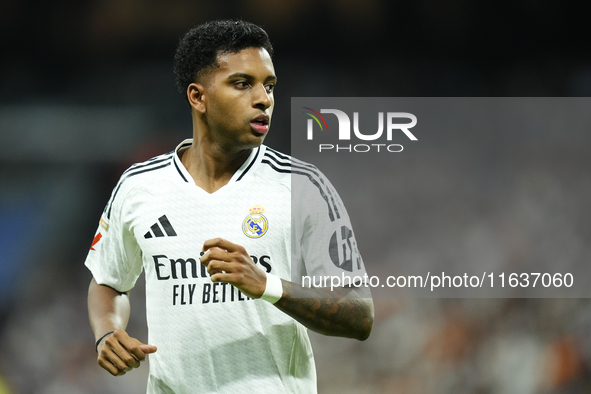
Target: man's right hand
119	353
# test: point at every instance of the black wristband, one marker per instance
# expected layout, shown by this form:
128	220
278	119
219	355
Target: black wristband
100	339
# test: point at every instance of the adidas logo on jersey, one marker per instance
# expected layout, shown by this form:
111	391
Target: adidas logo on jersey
156	230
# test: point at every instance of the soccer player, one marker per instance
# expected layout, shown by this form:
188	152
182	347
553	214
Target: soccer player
211	224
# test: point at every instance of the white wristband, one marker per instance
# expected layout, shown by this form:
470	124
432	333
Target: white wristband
273	290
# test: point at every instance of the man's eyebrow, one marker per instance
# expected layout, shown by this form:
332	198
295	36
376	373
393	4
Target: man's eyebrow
250	77
240	75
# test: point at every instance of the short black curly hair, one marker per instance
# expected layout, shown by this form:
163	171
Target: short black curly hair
199	48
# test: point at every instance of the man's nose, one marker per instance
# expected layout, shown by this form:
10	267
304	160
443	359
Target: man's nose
263	98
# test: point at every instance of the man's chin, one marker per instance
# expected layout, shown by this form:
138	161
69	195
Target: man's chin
259	138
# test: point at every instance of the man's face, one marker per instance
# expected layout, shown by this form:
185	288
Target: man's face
238	98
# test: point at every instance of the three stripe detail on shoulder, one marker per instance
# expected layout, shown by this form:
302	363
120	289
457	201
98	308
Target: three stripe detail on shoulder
151	165
277	161
285	164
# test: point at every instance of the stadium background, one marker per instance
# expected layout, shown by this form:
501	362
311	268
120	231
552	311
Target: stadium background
86	89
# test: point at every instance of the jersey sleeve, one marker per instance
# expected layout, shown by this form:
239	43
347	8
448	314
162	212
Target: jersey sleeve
325	241
115	257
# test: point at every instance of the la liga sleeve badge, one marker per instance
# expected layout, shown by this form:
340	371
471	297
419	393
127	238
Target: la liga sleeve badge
255	225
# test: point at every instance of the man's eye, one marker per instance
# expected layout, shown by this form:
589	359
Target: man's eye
241	85
270	87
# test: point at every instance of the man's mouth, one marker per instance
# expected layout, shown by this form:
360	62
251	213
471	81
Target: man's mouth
260	124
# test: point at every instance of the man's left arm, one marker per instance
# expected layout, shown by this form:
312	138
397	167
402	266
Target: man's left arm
340	312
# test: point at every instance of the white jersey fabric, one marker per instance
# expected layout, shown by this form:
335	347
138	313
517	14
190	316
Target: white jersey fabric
210	337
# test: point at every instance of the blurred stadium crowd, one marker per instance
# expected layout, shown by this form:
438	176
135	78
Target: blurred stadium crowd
86	89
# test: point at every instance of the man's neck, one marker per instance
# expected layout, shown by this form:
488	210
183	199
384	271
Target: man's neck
211	166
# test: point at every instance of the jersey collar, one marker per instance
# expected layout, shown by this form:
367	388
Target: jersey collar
255	156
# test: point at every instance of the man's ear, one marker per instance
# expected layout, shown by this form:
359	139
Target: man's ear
195	97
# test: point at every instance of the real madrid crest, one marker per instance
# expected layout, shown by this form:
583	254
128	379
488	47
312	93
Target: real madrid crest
256	224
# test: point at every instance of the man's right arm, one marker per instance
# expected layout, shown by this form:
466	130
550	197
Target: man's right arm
108	311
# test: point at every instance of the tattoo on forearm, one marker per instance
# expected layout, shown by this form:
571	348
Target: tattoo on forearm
334	313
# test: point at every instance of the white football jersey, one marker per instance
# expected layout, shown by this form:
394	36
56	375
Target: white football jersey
211	338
